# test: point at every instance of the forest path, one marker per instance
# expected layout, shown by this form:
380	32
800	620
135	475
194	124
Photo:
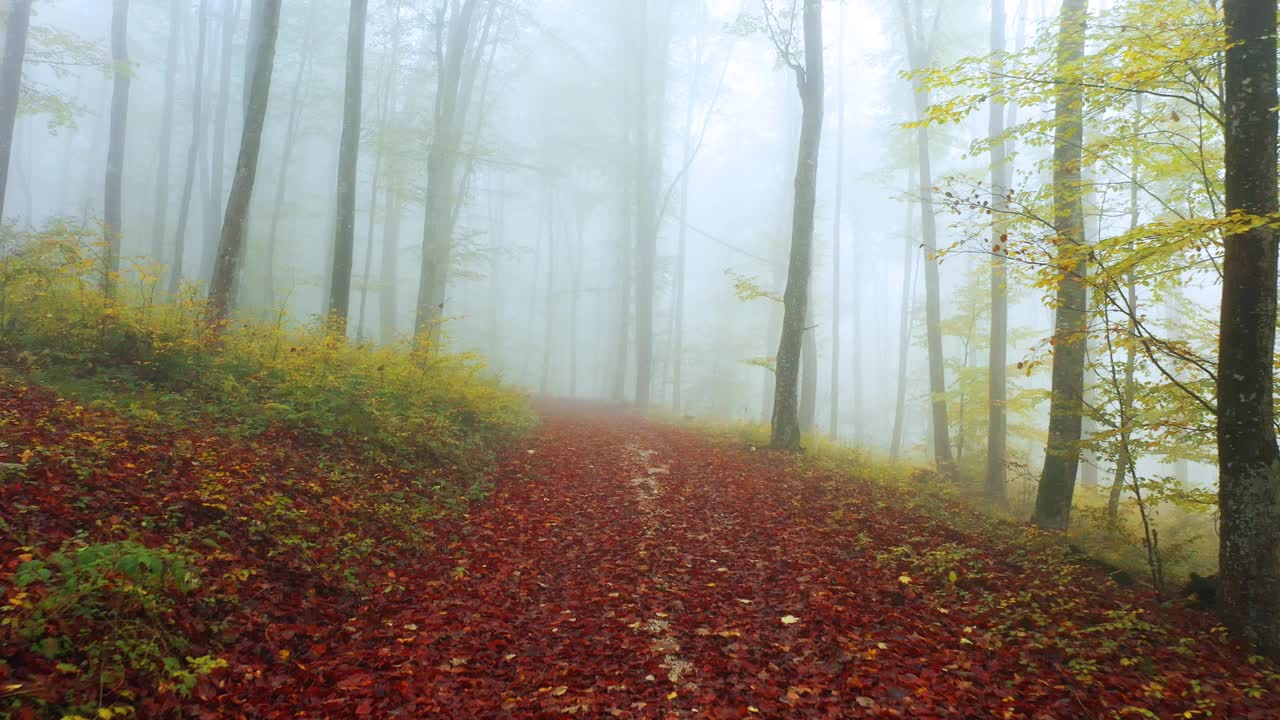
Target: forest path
627	568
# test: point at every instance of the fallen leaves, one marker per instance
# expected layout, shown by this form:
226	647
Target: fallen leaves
567	592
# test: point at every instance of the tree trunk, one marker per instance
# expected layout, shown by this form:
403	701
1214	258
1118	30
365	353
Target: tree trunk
15	48
786	420
286	158
833	427
231	245
919	51
650	94
904	325
548	338
177	11
348	158
387	305
442	162
215	198
193	153
575	290
622	309
1248	460
112	211
808	374
998	362
1062	452
384	117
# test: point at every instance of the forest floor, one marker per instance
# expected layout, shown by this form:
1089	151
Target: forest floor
620	567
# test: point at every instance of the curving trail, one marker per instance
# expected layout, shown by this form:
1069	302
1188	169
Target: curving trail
625	568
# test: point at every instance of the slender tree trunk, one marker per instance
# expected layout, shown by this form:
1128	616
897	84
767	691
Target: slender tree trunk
348	157
808	374
833	427
575	291
651	93
387	305
1125	400
919	52
1248	459
682	243
384	117
786	420
622	317
1062	452
177	12
214	201
286	157
112	211
549	316
193	152
998	362
231	245
15	49
904	325
442	162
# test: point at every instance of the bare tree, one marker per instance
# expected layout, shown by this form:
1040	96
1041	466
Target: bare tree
455	25
809	82
231	245
833	427
1001	176
919	51
112	212
348	157
193	151
15	49
177	13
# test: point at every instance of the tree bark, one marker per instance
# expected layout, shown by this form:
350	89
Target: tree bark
904	325
833	427
177	12
286	158
442	163
214	200
997	361
15	48
193	153
114	184
808	374
1248	459
919	51
231	245
1062	452
348	159
809	80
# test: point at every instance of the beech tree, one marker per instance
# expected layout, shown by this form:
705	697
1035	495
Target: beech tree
785	432
1248	458
230	247
348	156
112	213
918	54
1062	453
1001	176
15	48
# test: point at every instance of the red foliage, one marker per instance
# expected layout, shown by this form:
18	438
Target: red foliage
621	568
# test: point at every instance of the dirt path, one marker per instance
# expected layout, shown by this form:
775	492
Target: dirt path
629	569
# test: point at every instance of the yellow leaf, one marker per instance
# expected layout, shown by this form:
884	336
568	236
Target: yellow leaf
673	695
560	690
789	619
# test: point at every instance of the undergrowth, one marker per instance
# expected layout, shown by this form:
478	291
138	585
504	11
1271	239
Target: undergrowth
181	491
1184	518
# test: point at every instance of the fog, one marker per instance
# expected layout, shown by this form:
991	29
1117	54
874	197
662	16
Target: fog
581	119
